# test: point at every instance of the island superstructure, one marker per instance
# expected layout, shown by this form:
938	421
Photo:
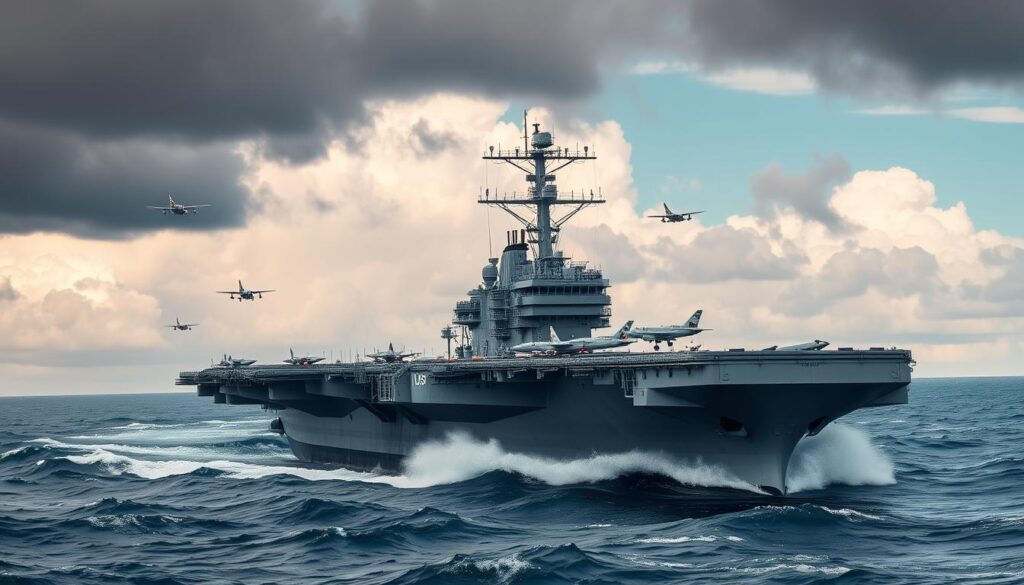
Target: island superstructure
740	411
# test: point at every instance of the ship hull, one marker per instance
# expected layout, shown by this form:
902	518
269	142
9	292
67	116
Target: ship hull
740	413
582	420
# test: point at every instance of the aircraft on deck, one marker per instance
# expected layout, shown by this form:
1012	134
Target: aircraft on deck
248	295
578	345
672	217
179	326
230	362
302	360
391	356
669	333
815	345
177	208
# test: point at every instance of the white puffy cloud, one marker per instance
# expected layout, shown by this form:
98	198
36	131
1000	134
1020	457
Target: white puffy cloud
375	242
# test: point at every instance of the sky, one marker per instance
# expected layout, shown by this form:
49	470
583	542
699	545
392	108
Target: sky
858	165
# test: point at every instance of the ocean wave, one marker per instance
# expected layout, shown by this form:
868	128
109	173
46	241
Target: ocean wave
840	454
460	457
686	539
455	459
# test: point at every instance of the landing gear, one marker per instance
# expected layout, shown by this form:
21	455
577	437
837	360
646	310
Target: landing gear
657	347
669	343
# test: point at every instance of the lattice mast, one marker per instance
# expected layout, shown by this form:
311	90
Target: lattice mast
540	159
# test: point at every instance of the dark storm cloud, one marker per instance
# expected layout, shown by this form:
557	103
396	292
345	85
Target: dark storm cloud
807	193
294	75
54	180
868	47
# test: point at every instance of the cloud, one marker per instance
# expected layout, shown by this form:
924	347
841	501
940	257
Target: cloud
289	79
806	193
894	110
72	304
54	180
384	255
7	291
988	115
722	253
865	49
991	115
764	80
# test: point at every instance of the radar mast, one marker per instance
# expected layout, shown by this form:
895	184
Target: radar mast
540	159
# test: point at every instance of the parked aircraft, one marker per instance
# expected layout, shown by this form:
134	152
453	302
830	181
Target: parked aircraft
179	326
304	360
672	217
230	362
809	346
391	356
669	333
578	345
248	295
177	208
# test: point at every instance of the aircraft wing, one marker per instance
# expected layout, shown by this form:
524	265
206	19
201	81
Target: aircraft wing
228	292
194	206
260	291
560	344
659	216
190	324
160	208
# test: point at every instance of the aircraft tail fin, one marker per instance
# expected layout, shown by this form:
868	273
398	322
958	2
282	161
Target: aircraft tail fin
554	336
391	347
170	199
621	333
694	321
667	210
240	287
291	352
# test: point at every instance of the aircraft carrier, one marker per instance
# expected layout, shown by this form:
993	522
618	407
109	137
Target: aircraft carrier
740	410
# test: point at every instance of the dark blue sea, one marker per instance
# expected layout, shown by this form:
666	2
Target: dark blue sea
170	488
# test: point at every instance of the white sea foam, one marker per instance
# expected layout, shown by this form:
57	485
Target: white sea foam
503	568
799	568
7	454
460	457
457	458
685	539
125	520
840	454
850	514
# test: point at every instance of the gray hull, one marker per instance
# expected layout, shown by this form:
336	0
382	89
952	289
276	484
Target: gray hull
741	411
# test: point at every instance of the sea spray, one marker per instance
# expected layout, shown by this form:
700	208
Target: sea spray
460	457
840	454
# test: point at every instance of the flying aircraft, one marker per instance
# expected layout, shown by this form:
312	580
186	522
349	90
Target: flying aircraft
577	345
391	356
248	295
230	362
179	326
177	208
672	217
303	360
668	333
809	346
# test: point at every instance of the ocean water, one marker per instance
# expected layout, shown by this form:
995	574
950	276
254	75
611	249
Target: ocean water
171	488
